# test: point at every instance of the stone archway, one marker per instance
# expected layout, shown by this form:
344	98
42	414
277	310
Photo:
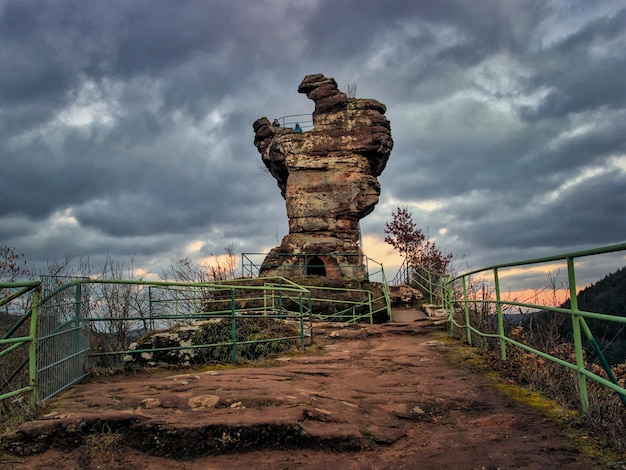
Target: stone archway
315	266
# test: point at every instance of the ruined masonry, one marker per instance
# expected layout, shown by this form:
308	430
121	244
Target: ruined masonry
327	176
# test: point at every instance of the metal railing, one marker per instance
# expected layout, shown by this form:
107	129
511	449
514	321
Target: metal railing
62	334
43	349
431	282
386	297
462	305
403	275
299	264
19	347
428	282
305	121
367	307
351	306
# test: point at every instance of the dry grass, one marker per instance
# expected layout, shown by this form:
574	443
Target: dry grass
103	445
16	411
600	431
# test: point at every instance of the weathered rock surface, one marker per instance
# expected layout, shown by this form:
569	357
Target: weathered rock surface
166	346
385	393
328	178
184	345
404	294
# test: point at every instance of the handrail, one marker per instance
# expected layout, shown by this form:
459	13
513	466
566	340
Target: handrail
386	295
289	121
344	314
236	309
579	327
30	340
545	259
431	282
403	275
251	269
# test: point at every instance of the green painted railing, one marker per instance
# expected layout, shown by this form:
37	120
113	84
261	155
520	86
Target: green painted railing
15	342
339	304
51	344
431	283
369	305
60	324
386	294
462	305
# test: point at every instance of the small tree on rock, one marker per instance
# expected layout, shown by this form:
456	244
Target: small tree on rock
404	236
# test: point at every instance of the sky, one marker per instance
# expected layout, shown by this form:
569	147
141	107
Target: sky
126	126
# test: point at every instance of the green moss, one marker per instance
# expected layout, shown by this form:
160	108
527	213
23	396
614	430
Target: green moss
570	421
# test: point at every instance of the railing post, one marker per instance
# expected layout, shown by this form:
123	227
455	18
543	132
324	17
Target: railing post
150	313
302	320
605	365
32	351
233	331
386	293
499	312
430	287
466	311
176	303
441	292
77	306
407	271
578	347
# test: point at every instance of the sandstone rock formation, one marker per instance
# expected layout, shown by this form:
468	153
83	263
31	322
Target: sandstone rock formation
327	176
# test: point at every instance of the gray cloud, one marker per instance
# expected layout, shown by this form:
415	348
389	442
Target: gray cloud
127	126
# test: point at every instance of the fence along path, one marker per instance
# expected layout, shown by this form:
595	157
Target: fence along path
49	334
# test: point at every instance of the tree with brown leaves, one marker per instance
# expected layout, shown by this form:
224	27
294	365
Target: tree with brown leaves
419	251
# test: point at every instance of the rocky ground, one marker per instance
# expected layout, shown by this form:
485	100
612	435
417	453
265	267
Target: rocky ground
362	397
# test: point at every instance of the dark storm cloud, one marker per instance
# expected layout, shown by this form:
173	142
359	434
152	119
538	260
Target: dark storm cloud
586	211
584	70
512	165
128	125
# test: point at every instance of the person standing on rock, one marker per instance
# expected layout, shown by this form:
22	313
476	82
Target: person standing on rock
297	128
276	123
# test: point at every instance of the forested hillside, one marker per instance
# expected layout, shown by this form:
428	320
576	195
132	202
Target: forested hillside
607	296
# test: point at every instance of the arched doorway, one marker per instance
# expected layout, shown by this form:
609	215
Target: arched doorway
315	267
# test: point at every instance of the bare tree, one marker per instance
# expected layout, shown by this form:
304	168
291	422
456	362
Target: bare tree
12	265
119	308
419	251
218	268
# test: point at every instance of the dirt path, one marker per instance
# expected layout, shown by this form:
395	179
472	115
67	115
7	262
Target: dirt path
368	397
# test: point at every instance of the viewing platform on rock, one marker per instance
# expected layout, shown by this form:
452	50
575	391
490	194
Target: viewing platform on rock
304	120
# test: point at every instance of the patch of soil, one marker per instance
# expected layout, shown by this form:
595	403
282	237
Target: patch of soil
365	397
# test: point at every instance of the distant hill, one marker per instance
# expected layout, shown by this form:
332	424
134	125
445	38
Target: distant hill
607	296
